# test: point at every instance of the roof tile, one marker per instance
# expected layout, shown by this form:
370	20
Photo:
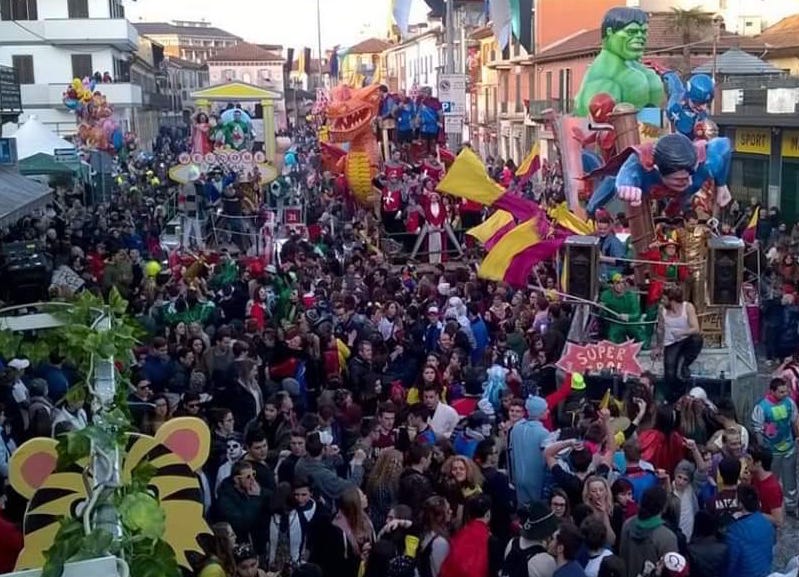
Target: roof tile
369	46
664	38
165	28
245	52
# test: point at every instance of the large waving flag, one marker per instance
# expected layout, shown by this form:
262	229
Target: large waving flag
522	23
501	21
493	229
530	165
750	232
401	10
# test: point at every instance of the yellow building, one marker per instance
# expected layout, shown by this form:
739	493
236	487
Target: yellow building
364	63
782	42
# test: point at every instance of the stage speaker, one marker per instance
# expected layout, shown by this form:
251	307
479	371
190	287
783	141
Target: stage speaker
725	269
582	267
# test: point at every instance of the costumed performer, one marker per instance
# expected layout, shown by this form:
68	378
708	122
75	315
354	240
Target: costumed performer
201	134
435	226
627	308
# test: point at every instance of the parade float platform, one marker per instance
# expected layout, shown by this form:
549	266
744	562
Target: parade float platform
726	367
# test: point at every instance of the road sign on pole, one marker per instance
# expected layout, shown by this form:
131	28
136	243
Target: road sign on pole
452	93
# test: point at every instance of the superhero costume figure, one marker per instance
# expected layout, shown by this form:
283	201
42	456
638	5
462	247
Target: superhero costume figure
693	239
674	167
688	103
600	109
618	69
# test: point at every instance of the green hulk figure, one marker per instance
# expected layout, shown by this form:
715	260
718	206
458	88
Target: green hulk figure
618	69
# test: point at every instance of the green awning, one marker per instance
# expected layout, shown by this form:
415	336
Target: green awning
44	164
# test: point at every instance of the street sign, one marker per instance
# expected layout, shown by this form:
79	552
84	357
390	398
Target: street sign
452	91
65	155
453	124
10	96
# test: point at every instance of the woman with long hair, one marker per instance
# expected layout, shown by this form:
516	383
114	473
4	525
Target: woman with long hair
218	560
434	543
246	399
597	495
693	419
559	505
351	536
662	445
159	415
460	479
382	485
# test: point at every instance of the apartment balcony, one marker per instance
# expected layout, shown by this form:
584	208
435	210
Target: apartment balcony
758	102
52	95
536	108
116	32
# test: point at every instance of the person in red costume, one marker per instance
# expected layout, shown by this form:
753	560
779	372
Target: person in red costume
435	227
432	168
666	250
392	200
256	308
394	167
662	445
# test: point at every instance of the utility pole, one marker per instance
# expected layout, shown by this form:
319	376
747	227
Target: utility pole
319	41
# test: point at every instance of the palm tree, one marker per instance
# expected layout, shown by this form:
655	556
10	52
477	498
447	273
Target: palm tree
693	25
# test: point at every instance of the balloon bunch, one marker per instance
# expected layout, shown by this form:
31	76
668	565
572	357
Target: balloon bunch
97	129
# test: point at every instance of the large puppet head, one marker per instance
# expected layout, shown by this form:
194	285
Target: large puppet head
624	32
351	111
177	451
676	159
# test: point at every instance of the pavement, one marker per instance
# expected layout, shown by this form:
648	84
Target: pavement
787	543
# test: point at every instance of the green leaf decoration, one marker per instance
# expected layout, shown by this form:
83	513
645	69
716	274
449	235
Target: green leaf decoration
142	514
72	448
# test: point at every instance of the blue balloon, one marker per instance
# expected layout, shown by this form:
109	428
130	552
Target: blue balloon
92	84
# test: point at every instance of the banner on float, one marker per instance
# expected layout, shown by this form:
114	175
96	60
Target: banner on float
247	164
603	356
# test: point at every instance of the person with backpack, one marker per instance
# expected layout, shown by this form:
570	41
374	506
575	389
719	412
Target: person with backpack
528	555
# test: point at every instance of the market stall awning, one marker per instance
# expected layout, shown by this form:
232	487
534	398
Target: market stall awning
34	137
19	195
44	164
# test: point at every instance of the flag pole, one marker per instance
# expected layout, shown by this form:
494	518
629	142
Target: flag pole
319	41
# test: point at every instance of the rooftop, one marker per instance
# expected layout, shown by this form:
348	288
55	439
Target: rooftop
736	62
784	34
168	29
245	52
181	63
369	46
664	38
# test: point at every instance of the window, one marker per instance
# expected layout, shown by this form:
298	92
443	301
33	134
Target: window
23	68
246	78
518	96
19	10
229	75
78	8
121	70
116	9
81	65
548	85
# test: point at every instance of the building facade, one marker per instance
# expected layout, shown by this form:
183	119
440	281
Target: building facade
50	42
744	17
363	63
415	62
483	120
195	41
253	65
179	80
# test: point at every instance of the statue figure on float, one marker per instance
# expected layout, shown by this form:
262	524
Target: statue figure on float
618	70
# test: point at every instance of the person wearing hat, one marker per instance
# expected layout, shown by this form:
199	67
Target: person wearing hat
621	311
525	442
478	428
529	554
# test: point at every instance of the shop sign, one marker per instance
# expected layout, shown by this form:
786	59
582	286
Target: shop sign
753	140
601	356
790	144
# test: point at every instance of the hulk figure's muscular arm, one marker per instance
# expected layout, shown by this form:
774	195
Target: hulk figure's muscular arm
595	86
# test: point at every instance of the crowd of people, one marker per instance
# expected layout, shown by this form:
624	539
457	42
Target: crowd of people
370	420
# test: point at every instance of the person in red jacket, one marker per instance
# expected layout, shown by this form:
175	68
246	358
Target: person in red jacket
472	550
11	541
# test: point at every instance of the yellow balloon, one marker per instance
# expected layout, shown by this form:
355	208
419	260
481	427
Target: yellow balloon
152	268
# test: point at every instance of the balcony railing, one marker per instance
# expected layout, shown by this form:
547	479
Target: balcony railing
536	108
52	95
116	32
157	100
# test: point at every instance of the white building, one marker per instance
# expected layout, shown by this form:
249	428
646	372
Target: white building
253	65
416	61
746	17
50	42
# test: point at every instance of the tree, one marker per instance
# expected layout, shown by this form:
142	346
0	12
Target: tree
692	24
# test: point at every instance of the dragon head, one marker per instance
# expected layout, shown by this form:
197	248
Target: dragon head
351	111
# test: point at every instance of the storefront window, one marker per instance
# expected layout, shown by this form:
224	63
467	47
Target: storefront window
789	195
749	178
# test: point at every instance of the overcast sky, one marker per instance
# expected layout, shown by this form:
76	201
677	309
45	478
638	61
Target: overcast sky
286	22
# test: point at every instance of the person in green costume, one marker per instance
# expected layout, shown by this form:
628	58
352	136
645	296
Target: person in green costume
618	69
627	308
